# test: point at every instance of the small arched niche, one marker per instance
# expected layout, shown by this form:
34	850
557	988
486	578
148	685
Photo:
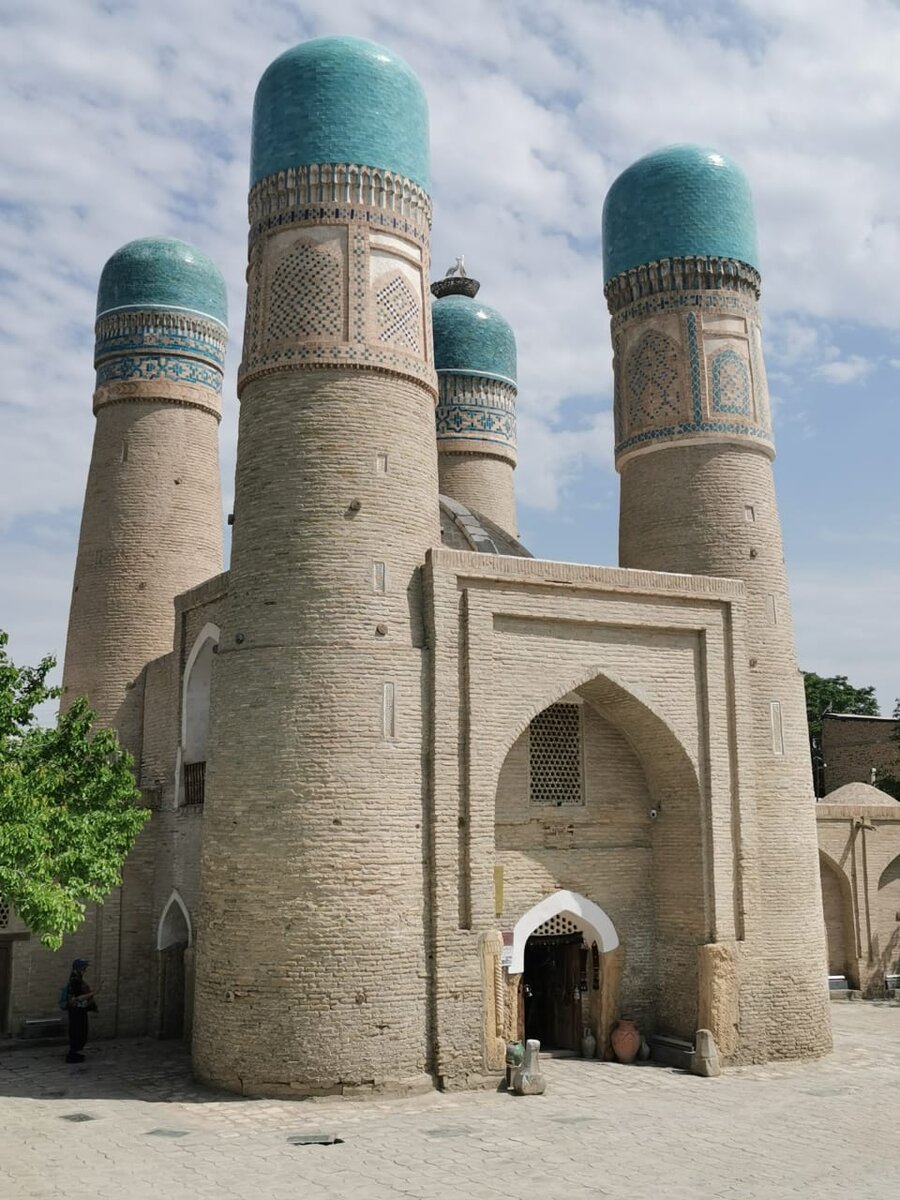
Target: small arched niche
837	911
195	698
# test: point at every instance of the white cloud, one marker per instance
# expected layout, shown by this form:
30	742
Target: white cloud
846	370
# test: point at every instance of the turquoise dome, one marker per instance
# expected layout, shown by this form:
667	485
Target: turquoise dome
164	273
340	100
472	339
681	200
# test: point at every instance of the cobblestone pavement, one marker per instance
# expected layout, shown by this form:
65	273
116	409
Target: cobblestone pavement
130	1124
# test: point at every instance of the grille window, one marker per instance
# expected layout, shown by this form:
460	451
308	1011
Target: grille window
4	912
559	926
554	756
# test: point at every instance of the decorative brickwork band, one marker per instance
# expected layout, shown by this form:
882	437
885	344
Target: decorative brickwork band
340	192
693	273
687	356
337	275
181	356
476	415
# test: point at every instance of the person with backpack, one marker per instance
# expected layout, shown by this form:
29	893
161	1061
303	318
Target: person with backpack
78	1000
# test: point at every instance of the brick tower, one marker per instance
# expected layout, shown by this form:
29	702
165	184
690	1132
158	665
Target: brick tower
311	972
694	451
152	519
475	358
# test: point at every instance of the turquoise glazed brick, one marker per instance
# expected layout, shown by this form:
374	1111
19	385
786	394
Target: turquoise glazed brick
162	273
472	339
678	201
340	100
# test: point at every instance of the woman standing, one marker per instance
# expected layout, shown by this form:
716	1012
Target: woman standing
80	1002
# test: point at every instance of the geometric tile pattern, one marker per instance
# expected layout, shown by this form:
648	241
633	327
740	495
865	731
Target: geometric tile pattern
139	332
554	756
175	369
730	383
398	318
305	298
653	377
470	408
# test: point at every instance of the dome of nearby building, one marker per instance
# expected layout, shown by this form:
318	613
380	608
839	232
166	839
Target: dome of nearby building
340	100
462	528
858	794
162	273
678	201
470	338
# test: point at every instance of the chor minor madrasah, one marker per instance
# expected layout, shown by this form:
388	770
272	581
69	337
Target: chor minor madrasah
415	792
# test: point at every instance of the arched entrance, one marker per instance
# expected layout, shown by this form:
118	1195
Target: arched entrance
889	922
172	942
557	948
837	906
597	797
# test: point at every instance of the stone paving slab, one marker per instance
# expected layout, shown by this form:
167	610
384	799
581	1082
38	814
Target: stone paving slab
131	1124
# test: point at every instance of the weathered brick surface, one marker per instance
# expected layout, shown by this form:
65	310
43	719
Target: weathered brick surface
482	482
853	747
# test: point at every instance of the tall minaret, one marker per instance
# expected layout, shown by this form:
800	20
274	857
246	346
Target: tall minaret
475	358
694	450
152	520
311	971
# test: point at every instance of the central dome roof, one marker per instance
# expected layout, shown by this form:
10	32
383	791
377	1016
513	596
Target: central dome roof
340	100
678	201
163	273
471	338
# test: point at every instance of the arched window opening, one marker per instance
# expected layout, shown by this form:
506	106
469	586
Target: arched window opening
195	716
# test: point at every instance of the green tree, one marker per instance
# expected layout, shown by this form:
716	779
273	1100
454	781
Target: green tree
68	817
836	694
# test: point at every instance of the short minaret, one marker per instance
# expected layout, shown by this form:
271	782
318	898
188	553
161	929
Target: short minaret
475	358
694	451
311	972
152	520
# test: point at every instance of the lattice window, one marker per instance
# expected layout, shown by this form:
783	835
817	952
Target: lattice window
555	756
654	393
194	782
305	298
5	911
399	321
559	926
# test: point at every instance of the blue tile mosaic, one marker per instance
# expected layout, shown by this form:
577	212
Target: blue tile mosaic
679	201
653	376
162	273
476	409
149	335
176	370
472	339
340	100
730	384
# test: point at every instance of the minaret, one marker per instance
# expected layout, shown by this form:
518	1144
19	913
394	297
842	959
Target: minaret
311	972
152	520
694	450
475	358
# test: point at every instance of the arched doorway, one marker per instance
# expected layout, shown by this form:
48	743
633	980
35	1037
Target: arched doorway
597	797
557	948
173	941
837	910
889	922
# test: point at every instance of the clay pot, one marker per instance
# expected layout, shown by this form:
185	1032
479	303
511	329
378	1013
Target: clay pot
626	1040
588	1044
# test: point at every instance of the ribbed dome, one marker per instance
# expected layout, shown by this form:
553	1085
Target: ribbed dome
340	100
162	273
470	338
681	200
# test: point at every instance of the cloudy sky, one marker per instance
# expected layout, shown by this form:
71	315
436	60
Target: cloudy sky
125	118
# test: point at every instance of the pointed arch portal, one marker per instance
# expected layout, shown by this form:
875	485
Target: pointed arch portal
593	922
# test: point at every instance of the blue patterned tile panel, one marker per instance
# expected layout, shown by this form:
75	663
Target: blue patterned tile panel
174	370
731	392
476	409
340	100
470	338
164	274
137	332
678	202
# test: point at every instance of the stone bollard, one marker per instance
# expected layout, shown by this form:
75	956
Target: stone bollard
528	1079
705	1059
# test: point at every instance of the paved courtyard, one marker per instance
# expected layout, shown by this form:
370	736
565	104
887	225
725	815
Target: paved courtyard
130	1124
